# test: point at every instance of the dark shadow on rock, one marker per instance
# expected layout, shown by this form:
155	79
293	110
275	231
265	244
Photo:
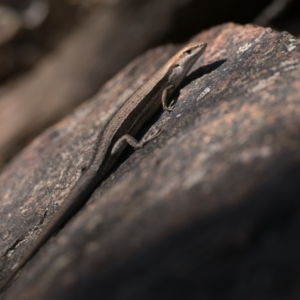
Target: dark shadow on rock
201	72
245	251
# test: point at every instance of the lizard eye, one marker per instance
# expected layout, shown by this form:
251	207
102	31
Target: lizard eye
189	51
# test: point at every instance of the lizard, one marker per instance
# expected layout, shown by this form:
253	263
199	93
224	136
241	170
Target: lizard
118	132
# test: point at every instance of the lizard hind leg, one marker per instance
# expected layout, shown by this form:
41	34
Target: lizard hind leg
132	141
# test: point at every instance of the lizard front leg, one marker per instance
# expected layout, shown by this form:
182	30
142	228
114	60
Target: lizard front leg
165	96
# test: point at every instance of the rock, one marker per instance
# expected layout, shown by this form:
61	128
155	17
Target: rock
209	209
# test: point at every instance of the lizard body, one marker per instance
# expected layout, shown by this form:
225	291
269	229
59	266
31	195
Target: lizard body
120	128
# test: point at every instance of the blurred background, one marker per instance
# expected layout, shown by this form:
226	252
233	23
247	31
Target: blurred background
55	54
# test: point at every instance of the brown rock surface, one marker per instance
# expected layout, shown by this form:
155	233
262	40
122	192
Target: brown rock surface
207	210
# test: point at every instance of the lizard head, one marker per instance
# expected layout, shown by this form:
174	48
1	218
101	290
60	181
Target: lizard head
182	62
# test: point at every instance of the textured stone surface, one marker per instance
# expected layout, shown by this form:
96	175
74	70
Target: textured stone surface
210	209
